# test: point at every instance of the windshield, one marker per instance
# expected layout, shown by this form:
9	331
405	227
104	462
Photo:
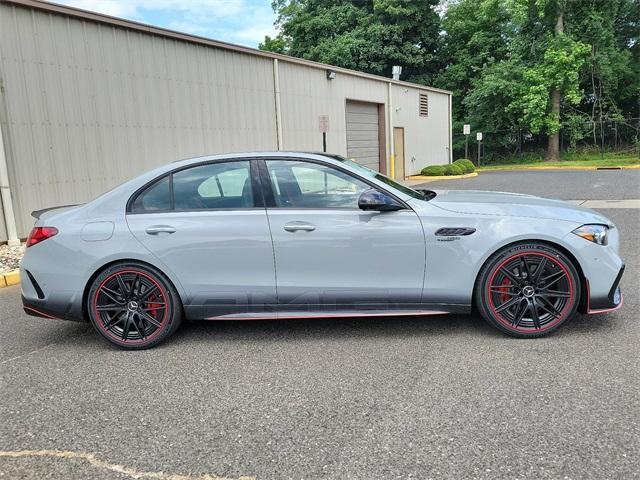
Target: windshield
378	176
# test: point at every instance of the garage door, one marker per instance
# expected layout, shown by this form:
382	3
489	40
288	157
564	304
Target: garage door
362	133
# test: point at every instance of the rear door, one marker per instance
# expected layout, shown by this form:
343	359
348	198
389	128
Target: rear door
207	223
330	255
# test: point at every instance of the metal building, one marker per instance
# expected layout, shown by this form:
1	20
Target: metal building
88	101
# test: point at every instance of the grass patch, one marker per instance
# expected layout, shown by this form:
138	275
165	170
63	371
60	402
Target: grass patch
568	161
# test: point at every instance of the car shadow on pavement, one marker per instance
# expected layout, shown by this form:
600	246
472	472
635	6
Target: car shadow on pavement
62	334
387	327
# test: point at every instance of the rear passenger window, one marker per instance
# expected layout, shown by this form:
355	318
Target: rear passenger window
156	197
216	185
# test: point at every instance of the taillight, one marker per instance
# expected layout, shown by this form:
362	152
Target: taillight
40	234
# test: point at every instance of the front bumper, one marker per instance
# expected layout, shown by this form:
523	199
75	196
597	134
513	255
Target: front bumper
609	303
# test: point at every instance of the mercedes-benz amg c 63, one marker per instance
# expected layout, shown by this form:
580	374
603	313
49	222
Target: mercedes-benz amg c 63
294	235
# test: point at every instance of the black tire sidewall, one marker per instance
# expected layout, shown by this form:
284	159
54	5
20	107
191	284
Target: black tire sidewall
175	313
481	291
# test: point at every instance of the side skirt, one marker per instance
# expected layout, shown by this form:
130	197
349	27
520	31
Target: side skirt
273	312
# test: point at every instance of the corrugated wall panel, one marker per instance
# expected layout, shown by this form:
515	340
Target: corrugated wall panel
307	94
426	139
90	105
3	227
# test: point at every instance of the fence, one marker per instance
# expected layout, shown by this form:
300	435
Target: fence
619	136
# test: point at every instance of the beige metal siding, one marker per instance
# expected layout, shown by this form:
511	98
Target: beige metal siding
3	228
362	133
92	101
306	94
426	138
90	105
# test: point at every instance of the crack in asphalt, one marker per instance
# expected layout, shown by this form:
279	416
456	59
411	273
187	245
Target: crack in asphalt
102	464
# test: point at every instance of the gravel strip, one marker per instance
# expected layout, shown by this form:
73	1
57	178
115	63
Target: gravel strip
10	257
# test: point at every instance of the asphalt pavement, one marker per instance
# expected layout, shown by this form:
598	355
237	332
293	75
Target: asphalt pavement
386	398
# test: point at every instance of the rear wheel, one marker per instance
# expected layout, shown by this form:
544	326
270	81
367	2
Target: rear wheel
134	306
528	290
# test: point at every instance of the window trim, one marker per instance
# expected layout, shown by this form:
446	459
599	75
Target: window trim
270	194
258	197
263	196
146	187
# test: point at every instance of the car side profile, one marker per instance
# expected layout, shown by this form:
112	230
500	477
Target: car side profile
292	235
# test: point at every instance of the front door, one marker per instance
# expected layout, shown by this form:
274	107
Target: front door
329	254
398	146
203	223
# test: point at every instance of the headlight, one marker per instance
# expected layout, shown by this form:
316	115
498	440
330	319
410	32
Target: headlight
593	233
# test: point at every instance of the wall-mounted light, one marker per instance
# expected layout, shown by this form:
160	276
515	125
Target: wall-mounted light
331	74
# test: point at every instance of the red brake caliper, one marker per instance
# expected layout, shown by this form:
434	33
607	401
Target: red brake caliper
504	288
152	305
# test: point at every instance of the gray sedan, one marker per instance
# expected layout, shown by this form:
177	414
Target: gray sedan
294	235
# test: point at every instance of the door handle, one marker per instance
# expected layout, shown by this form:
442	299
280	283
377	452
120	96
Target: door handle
295	226
156	229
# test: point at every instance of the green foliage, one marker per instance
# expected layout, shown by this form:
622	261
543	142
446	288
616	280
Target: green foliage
466	165
276	45
502	59
450	170
433	171
582	159
369	36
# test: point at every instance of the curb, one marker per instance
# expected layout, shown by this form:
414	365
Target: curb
423	179
9	278
513	168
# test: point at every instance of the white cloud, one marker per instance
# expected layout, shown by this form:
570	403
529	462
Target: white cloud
236	21
131	8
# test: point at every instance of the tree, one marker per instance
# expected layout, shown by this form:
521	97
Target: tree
369	36
275	45
520	69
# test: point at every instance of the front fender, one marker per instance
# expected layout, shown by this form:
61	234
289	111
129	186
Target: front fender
453	263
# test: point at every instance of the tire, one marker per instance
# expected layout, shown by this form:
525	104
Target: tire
134	306
528	290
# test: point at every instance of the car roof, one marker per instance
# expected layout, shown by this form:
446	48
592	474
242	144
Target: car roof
260	154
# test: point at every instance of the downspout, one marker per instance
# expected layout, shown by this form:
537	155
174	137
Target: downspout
276	93
5	189
450	147
392	148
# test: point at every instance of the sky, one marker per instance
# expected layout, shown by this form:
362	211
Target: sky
244	22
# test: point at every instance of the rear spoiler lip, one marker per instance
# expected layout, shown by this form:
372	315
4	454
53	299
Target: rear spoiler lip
38	213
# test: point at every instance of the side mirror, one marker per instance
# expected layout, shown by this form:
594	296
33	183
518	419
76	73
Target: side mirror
375	200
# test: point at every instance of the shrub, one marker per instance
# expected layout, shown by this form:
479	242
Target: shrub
433	171
452	169
466	165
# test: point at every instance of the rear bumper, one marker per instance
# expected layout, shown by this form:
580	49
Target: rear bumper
609	303
41	308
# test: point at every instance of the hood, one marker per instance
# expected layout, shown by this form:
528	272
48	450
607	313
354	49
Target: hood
514	205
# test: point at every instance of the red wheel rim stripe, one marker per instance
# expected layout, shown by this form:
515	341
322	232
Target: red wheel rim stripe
162	322
549	325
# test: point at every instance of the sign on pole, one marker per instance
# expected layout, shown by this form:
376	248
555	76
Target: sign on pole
466	129
479	136
323	123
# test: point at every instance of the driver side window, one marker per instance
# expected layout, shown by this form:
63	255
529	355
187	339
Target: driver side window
312	185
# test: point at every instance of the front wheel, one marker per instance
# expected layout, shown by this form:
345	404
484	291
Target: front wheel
134	306
528	290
